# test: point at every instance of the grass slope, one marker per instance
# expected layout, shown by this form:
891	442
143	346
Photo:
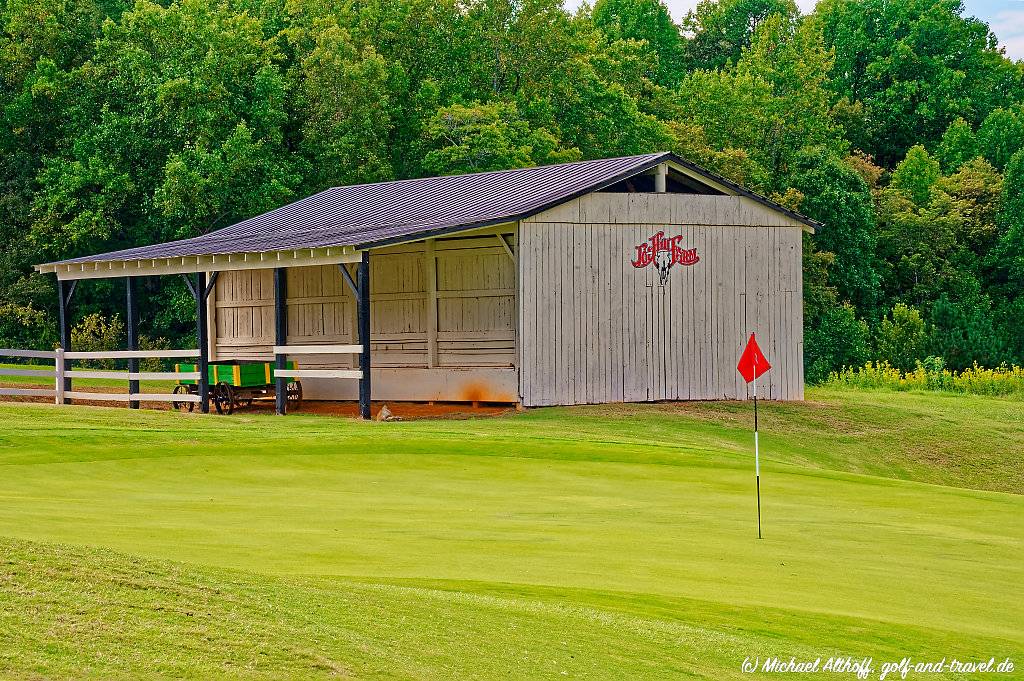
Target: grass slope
599	542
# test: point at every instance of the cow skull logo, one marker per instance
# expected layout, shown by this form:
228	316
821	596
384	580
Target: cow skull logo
664	252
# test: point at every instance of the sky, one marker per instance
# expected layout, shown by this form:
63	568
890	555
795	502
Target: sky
1004	17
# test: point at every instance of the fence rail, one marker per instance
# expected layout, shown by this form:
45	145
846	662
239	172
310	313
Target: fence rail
59	375
318	350
62	375
131	354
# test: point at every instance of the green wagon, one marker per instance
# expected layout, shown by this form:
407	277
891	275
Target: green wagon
235	384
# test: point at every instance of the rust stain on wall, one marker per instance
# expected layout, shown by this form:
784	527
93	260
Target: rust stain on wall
480	391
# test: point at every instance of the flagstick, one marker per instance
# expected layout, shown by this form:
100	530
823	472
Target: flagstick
757	457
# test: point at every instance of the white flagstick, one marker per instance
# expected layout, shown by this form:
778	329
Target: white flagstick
757	456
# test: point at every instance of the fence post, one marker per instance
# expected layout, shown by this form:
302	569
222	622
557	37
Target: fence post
363	278
280	338
202	339
58	372
133	336
64	292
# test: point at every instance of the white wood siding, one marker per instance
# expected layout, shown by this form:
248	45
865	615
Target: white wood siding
596	329
449	303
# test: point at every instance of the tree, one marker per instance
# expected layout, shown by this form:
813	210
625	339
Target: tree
344	99
479	137
1008	256
791	58
648	21
958	146
176	125
975	189
598	116
901	341
916	245
838	340
916	66
916	175
722	30
837	196
164	82
516	46
1001	135
963	334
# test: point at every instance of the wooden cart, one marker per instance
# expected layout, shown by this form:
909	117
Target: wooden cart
236	384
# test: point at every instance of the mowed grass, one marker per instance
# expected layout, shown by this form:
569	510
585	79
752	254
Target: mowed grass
604	542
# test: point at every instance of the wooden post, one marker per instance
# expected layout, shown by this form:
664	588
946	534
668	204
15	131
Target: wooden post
201	341
364	335
660	177
58	370
133	336
280	338
64	292
431	272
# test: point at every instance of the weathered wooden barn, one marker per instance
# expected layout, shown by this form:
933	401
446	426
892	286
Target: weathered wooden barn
617	280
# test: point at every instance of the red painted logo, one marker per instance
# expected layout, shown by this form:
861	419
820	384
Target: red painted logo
664	252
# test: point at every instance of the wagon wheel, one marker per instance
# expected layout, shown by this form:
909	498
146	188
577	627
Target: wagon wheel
181	406
294	394
223	398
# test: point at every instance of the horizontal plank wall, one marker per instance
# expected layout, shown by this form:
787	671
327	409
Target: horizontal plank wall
594	328
443	319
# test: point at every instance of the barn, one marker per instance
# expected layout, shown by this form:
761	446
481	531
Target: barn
631	279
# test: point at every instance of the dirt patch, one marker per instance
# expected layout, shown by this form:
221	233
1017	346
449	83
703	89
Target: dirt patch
410	411
406	411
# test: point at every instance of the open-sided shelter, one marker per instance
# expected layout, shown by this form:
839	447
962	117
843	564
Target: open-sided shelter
616	280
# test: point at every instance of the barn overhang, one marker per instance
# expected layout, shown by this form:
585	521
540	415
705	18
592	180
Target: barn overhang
191	264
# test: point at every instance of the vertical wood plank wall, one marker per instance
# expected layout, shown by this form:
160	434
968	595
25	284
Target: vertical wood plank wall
456	297
595	329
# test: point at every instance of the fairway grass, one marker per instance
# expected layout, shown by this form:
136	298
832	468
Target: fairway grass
604	542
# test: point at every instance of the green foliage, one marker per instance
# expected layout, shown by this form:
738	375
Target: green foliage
96	333
916	175
964	334
1001	135
722	30
469	139
958	146
838	196
1009	256
915	66
931	374
902	340
23	326
836	339
649	21
975	189
344	102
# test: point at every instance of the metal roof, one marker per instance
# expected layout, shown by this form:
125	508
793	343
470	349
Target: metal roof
370	215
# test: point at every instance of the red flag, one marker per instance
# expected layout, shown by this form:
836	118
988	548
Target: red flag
752	362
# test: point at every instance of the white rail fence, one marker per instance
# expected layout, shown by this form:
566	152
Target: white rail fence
288	350
58	374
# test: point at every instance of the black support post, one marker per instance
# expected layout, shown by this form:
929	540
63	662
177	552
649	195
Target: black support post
133	336
64	292
202	341
280	337
363	277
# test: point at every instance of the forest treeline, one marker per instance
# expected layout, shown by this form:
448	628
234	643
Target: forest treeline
900	125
